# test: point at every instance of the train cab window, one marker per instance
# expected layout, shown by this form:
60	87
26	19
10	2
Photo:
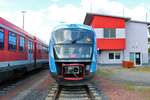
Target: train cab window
12	41
1	38
21	44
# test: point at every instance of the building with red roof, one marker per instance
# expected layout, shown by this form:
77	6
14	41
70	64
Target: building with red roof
119	38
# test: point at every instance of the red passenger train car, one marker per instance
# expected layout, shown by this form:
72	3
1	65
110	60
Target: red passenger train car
19	51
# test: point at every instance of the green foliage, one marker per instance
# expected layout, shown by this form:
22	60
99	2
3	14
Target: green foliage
148	50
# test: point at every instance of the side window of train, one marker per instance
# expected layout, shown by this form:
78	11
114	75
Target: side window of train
38	48
12	41
30	46
1	38
47	50
21	44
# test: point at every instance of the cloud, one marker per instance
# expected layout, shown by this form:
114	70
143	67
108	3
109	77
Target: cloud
68	13
117	8
41	22
54	0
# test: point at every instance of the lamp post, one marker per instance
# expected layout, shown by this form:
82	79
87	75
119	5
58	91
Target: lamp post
23	14
123	12
91	6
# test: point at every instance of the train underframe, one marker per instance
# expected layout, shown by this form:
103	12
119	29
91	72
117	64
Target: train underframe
7	72
73	73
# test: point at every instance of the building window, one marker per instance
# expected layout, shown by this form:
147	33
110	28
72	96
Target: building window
149	30
1	38
109	33
111	56
114	55
131	57
117	55
21	44
12	41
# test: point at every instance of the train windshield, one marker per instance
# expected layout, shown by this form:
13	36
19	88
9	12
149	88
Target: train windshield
73	51
73	36
73	43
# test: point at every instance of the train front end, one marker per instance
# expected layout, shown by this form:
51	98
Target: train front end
72	54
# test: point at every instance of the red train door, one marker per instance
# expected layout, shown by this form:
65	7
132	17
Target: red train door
30	52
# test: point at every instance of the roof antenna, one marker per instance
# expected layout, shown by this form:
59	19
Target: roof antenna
146	16
123	12
23	14
91	6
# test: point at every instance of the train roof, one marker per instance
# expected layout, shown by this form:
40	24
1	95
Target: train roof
73	26
11	27
8	25
41	41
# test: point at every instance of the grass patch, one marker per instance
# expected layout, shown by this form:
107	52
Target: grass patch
137	69
110	73
128	86
142	69
132	87
104	72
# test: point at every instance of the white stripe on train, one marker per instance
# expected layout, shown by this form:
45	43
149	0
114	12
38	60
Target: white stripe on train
20	62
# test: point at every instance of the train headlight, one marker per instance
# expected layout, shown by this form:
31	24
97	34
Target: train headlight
76	70
87	67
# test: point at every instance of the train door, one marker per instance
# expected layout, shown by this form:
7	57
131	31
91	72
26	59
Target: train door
30	52
136	57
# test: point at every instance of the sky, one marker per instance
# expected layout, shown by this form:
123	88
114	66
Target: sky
43	15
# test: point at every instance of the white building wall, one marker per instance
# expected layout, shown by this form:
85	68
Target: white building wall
136	40
103	58
120	33
99	32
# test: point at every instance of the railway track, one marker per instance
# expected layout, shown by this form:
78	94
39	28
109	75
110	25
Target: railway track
85	92
14	81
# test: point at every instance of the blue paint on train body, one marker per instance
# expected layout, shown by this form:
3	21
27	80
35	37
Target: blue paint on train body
58	48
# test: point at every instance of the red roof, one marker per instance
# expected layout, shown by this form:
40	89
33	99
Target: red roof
89	17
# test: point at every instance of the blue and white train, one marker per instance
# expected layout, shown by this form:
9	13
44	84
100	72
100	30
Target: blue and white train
72	54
